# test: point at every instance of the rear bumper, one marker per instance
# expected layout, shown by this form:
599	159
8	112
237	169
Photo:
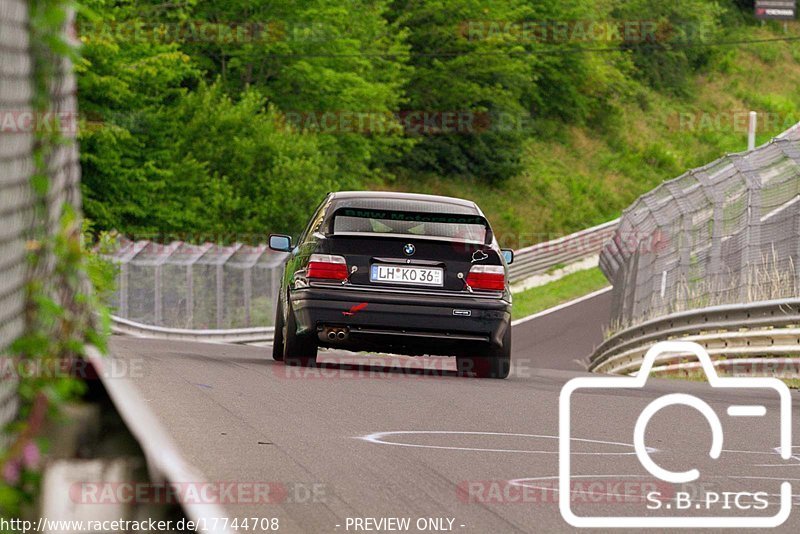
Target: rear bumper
405	323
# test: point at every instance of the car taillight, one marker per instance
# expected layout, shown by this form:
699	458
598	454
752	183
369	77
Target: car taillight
327	267
490	277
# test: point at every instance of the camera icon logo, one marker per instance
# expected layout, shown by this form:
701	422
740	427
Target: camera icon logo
643	453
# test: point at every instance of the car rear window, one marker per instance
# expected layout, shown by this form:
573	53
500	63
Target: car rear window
410	218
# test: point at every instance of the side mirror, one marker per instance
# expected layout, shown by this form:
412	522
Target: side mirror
508	254
281	243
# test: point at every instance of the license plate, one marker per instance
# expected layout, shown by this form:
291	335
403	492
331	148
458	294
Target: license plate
403	274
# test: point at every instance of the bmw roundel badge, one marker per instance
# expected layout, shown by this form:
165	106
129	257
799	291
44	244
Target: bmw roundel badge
409	249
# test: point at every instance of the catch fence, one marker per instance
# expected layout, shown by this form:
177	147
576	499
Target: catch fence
725	233
18	214
214	287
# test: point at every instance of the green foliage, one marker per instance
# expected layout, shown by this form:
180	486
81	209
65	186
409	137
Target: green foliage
208	119
266	175
456	73
165	152
685	28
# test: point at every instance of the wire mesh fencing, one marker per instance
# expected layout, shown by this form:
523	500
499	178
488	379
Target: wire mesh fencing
18	214
208	286
180	285
726	233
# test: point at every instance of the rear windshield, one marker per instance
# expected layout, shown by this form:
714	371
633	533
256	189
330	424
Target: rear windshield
444	224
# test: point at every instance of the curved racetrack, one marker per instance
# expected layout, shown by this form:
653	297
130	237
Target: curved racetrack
361	441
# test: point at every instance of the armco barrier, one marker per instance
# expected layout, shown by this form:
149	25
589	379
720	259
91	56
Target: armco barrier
125	327
541	257
164	461
732	332
529	261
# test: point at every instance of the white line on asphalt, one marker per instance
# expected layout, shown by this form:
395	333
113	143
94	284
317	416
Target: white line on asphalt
379	438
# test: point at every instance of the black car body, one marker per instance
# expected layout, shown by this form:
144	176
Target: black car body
396	272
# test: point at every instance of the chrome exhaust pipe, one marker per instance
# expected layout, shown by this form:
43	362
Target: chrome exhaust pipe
332	334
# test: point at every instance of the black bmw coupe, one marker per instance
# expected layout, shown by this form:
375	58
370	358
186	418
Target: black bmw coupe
396	272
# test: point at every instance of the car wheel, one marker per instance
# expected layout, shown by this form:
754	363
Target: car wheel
494	363
297	349
277	337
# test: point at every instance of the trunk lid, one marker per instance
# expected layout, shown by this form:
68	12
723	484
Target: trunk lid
378	257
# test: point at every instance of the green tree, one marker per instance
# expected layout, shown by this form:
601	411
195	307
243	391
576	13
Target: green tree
316	57
472	56
685	28
268	176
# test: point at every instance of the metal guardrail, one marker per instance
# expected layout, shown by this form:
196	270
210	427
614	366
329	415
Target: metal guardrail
541	257
732	332
528	262
165	462
126	327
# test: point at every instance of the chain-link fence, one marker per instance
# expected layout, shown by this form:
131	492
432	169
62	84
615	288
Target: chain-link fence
180	285
223	287
17	214
725	233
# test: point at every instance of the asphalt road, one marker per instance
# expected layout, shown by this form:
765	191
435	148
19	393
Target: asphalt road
352	443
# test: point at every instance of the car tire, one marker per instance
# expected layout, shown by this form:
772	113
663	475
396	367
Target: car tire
494	363
298	349
277	336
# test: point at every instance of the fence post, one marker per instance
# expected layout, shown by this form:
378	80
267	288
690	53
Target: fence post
248	288
190	295
630	286
158	305
752	230
220	294
123	290
751	131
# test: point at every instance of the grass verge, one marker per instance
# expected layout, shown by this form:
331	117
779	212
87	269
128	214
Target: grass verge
565	289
